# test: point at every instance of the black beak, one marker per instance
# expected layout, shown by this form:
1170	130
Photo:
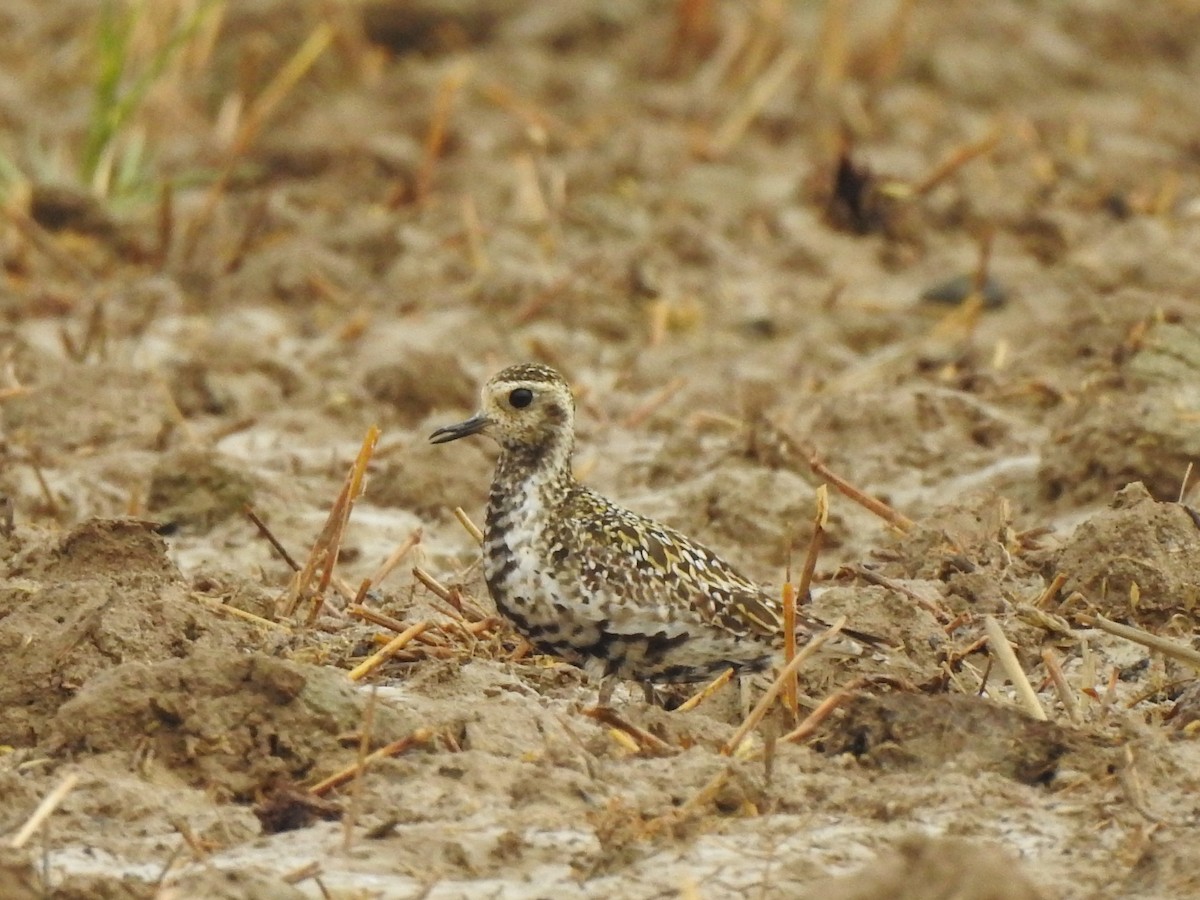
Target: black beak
473	425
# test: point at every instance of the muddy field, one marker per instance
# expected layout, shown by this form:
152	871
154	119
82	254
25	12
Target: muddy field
951	250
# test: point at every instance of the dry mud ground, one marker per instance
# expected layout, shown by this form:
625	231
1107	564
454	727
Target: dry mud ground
345	214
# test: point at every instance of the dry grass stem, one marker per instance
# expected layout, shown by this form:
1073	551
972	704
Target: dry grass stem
638	417
284	82
324	554
8	516
395	558
983	263
367	614
1183	485
1039	618
820	522
1065	695
476	246
791	690
1050	594
813	720
254	223
871	577
44	487
695	804
465	521
1167	647
760	710
872	504
166	223
646	741
360	596
226	610
438	589
43	811
958	158
364	748
658	312
890	52
539	121
439	127
1003	653
387	651
739	119
271	539
705	692
456	599
529	198
418	738
45	242
832	49
305	872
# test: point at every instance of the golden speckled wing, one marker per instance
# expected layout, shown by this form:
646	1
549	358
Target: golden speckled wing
632	560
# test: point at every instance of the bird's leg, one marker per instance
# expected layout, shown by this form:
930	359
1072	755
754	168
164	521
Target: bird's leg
597	673
746	694
607	685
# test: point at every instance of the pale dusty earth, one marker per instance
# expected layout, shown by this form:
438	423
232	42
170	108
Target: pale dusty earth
345	214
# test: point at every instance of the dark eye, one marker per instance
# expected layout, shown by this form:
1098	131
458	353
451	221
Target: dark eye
520	398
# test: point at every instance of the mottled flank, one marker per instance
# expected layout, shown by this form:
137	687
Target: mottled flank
584	579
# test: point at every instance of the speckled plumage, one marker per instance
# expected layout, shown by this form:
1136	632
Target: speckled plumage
584	579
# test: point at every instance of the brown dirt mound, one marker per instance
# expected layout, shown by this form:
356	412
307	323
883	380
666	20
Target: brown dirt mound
234	726
72	606
1153	577
948	731
920	868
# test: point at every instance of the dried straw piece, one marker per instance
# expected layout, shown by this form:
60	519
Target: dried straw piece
756	714
439	128
872	504
1003	653
45	242
791	687
738	121
1165	646
702	798
933	609
705	692
452	596
284	81
271	539
1051	592
890	51
653	404
387	651
43	811
958	158
645	740
337	779
324	553
364	748
227	610
1065	695
383	620
465	521
395	557
814	719
305	872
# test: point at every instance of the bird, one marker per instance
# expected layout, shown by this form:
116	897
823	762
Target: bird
584	579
